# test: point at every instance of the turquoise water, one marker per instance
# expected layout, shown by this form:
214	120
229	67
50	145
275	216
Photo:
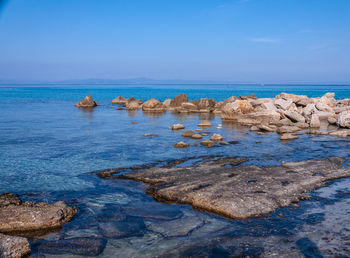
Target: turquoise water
48	148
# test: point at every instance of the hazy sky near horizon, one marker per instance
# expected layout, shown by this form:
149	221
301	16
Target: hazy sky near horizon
265	41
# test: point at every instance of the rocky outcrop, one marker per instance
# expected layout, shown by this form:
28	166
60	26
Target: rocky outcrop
119	100
178	100
153	105
86	102
206	105
13	246
224	188
18	216
133	105
344	119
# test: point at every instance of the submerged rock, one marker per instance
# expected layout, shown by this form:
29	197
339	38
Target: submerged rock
288	136
18	216
188	133
13	246
86	246
86	102
196	136
222	187
205	123
207	143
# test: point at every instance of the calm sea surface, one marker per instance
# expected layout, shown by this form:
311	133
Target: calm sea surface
48	148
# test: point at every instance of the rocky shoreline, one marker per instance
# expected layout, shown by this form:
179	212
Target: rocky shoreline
19	218
221	185
285	114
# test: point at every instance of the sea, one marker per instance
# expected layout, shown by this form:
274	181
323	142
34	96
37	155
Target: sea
50	149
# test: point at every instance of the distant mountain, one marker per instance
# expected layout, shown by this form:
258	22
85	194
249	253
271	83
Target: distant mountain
132	81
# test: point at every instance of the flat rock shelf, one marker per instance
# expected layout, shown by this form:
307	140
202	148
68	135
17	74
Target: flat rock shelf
226	188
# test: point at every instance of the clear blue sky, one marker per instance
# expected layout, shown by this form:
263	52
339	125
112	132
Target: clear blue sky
265	41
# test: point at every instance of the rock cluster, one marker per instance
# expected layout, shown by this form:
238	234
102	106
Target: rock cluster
18	217
226	188
318	115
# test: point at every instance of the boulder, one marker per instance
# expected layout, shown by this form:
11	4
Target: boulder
216	137
188	133
167	102
294	98
344	119
196	136
190	106
329	95
153	105
267	128
207	143
315	121
181	145
18	216
288	136
288	129
332	119
119	100
133	105
13	246
341	133
283	104
207	104
309	109
178	100
86	102
269	106
294	116
177	127
321	106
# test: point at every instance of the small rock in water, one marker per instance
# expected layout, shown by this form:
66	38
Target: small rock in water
196	136
288	136
224	143
188	133
205	123
13	246
207	143
177	127
148	134
181	145
216	137
199	130
204	134
135	123
86	102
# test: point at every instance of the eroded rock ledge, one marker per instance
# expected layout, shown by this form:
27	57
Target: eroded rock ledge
19	216
222	187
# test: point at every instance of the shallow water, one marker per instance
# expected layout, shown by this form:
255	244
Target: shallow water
48	148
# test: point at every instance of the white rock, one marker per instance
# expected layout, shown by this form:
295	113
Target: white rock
283	104
315	121
344	119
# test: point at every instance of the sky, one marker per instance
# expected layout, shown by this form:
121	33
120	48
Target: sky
260	41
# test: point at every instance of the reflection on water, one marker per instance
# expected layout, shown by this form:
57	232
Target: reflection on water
48	148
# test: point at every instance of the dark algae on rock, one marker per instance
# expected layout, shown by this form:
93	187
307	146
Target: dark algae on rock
224	187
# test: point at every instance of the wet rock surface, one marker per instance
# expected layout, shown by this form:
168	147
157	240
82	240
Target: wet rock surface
18	216
13	246
224	188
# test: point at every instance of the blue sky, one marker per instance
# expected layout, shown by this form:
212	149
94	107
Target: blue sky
264	41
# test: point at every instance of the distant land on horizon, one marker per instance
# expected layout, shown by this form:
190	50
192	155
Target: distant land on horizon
145	81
